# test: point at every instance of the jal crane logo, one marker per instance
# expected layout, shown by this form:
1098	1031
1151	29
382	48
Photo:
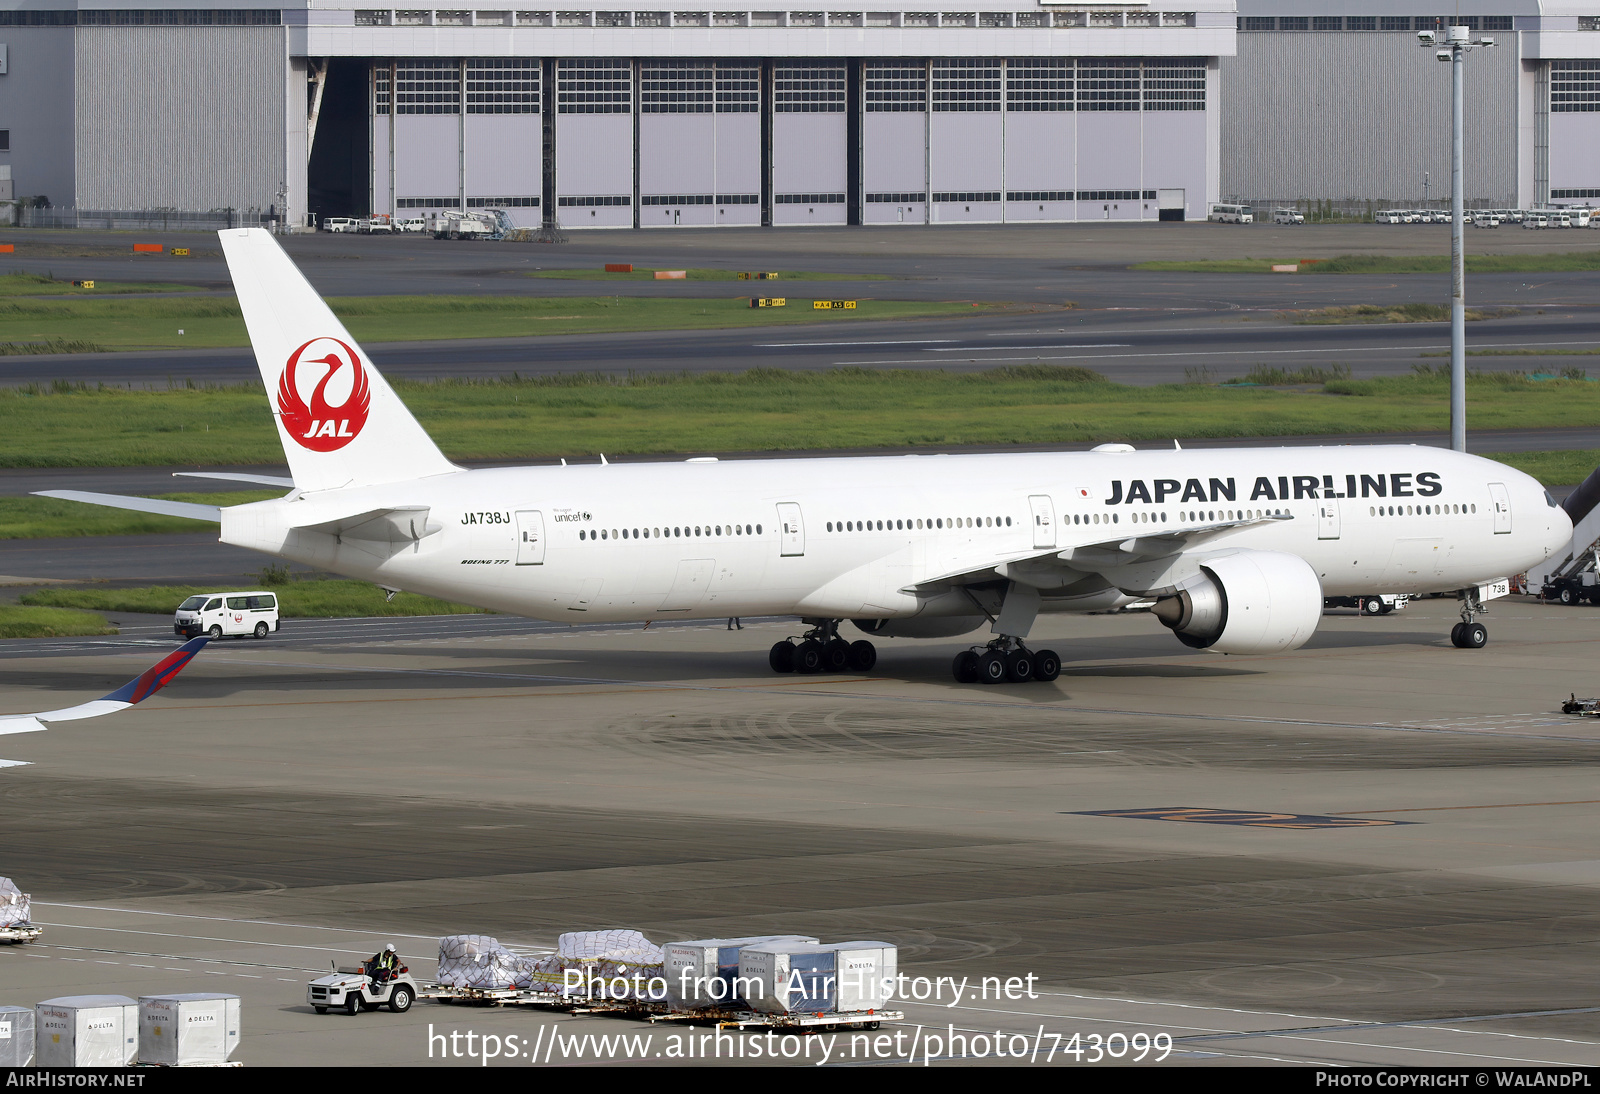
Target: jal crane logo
318	425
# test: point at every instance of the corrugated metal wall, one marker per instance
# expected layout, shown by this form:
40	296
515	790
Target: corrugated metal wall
1361	116
180	117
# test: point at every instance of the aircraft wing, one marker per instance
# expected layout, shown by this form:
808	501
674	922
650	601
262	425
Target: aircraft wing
1092	557
140	688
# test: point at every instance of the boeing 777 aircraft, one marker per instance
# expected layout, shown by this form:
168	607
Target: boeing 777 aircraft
1237	548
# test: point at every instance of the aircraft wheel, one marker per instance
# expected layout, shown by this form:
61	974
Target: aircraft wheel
835	655
992	668
863	656
1474	636
965	667
1019	666
1046	666
808	657
781	656
1455	635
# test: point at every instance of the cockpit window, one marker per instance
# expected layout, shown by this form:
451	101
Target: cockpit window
1551	501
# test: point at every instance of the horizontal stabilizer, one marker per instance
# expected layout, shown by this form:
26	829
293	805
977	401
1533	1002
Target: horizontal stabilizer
231	476
187	509
400	524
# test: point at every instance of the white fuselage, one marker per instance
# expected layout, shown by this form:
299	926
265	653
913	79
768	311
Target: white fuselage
870	537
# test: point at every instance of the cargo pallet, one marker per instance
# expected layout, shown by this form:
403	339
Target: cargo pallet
19	932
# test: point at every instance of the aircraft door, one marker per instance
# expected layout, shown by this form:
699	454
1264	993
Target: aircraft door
1044	520
1328	518
1501	498
791	529
530	537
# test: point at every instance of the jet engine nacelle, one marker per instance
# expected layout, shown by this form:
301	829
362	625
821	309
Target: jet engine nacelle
1246	602
938	626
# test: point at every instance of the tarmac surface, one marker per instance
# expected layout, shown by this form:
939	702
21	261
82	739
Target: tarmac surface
306	798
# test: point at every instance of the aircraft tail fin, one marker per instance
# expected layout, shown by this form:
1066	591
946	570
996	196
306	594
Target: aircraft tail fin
340	422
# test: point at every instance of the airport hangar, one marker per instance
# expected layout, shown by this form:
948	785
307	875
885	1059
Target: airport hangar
742	115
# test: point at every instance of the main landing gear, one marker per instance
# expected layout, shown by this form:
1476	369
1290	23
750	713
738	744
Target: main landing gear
822	650
1005	660
1467	634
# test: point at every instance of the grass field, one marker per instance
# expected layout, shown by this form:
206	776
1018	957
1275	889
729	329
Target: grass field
27	284
1389	313
697	274
324	599
31	622
770	410
1551	468
40	518
1389	264
209	322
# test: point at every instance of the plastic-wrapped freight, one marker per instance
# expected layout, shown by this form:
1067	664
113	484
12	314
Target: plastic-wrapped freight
15	907
196	1028
86	1031
626	961
840	977
704	972
479	961
16	1036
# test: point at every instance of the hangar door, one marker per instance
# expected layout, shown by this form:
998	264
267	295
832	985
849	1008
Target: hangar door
894	142
699	143
594	143
810	134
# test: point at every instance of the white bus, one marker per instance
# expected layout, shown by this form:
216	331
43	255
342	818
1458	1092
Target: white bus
1232	214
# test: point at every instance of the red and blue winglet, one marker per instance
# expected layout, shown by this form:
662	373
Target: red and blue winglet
153	679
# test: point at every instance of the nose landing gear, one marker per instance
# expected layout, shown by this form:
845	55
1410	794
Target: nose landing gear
1468	634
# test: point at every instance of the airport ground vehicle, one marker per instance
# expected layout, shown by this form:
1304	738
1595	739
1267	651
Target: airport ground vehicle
1288	216
413	224
353	989
468	224
341	224
378	225
1371	604
1232	214
1388	216
219	614
1486	220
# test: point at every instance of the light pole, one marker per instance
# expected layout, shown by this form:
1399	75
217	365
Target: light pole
1458	41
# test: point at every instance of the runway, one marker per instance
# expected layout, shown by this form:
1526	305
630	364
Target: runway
309	796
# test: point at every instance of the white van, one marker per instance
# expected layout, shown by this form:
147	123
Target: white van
218	614
1232	214
1388	216
341	224
1288	216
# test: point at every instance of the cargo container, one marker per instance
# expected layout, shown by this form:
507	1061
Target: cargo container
86	1031
195	1028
